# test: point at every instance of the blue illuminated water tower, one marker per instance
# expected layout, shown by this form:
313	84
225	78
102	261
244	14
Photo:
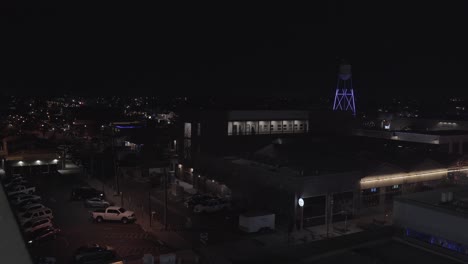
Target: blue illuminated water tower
344	95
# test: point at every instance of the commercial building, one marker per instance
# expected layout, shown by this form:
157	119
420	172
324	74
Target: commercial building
145	151
437	219
30	155
336	174
448	141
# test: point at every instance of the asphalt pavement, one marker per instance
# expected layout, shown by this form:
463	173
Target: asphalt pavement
220	226
130	241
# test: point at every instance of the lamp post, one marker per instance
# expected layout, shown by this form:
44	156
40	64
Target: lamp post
114	162
165	199
300	202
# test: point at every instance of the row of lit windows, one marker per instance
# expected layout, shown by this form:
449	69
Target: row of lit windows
267	127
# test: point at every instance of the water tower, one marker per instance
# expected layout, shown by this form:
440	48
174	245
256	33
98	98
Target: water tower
344	95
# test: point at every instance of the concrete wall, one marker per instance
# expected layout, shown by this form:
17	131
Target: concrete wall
430	221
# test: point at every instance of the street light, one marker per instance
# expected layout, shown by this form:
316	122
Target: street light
300	202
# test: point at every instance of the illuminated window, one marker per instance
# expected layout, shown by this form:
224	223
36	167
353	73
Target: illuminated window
187	130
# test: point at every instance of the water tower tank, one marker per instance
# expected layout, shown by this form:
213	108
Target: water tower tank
344	71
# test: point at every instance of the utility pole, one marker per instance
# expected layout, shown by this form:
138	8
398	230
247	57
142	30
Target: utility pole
116	177
149	206
329	211
165	199
92	165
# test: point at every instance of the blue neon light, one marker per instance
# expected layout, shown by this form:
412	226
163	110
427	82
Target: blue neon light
437	241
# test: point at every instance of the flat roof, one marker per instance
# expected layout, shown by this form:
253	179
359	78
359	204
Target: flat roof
256	213
322	155
432	200
312	156
437	132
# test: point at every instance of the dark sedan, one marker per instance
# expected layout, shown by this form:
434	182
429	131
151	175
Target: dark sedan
82	193
42	234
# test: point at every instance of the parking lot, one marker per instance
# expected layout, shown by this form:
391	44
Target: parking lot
221	226
77	228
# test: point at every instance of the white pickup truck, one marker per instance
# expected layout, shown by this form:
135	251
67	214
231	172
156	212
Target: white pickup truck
21	189
113	213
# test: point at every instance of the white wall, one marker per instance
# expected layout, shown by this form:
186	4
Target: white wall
427	220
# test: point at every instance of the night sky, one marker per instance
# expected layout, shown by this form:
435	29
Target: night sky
394	49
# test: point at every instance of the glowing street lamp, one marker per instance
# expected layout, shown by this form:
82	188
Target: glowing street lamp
300	202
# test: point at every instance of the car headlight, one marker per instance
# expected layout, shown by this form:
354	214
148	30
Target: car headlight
30	242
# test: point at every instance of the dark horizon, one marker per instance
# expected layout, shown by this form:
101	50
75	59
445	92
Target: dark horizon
408	50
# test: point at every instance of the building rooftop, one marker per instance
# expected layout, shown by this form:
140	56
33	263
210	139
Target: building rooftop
320	155
432	199
438	132
311	156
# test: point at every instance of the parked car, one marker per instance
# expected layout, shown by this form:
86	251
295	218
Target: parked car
12	178
30	201
197	199
113	213
85	192
94	254
20	198
18	189
30	207
212	205
37	223
96	202
43	212
14	182
42	234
